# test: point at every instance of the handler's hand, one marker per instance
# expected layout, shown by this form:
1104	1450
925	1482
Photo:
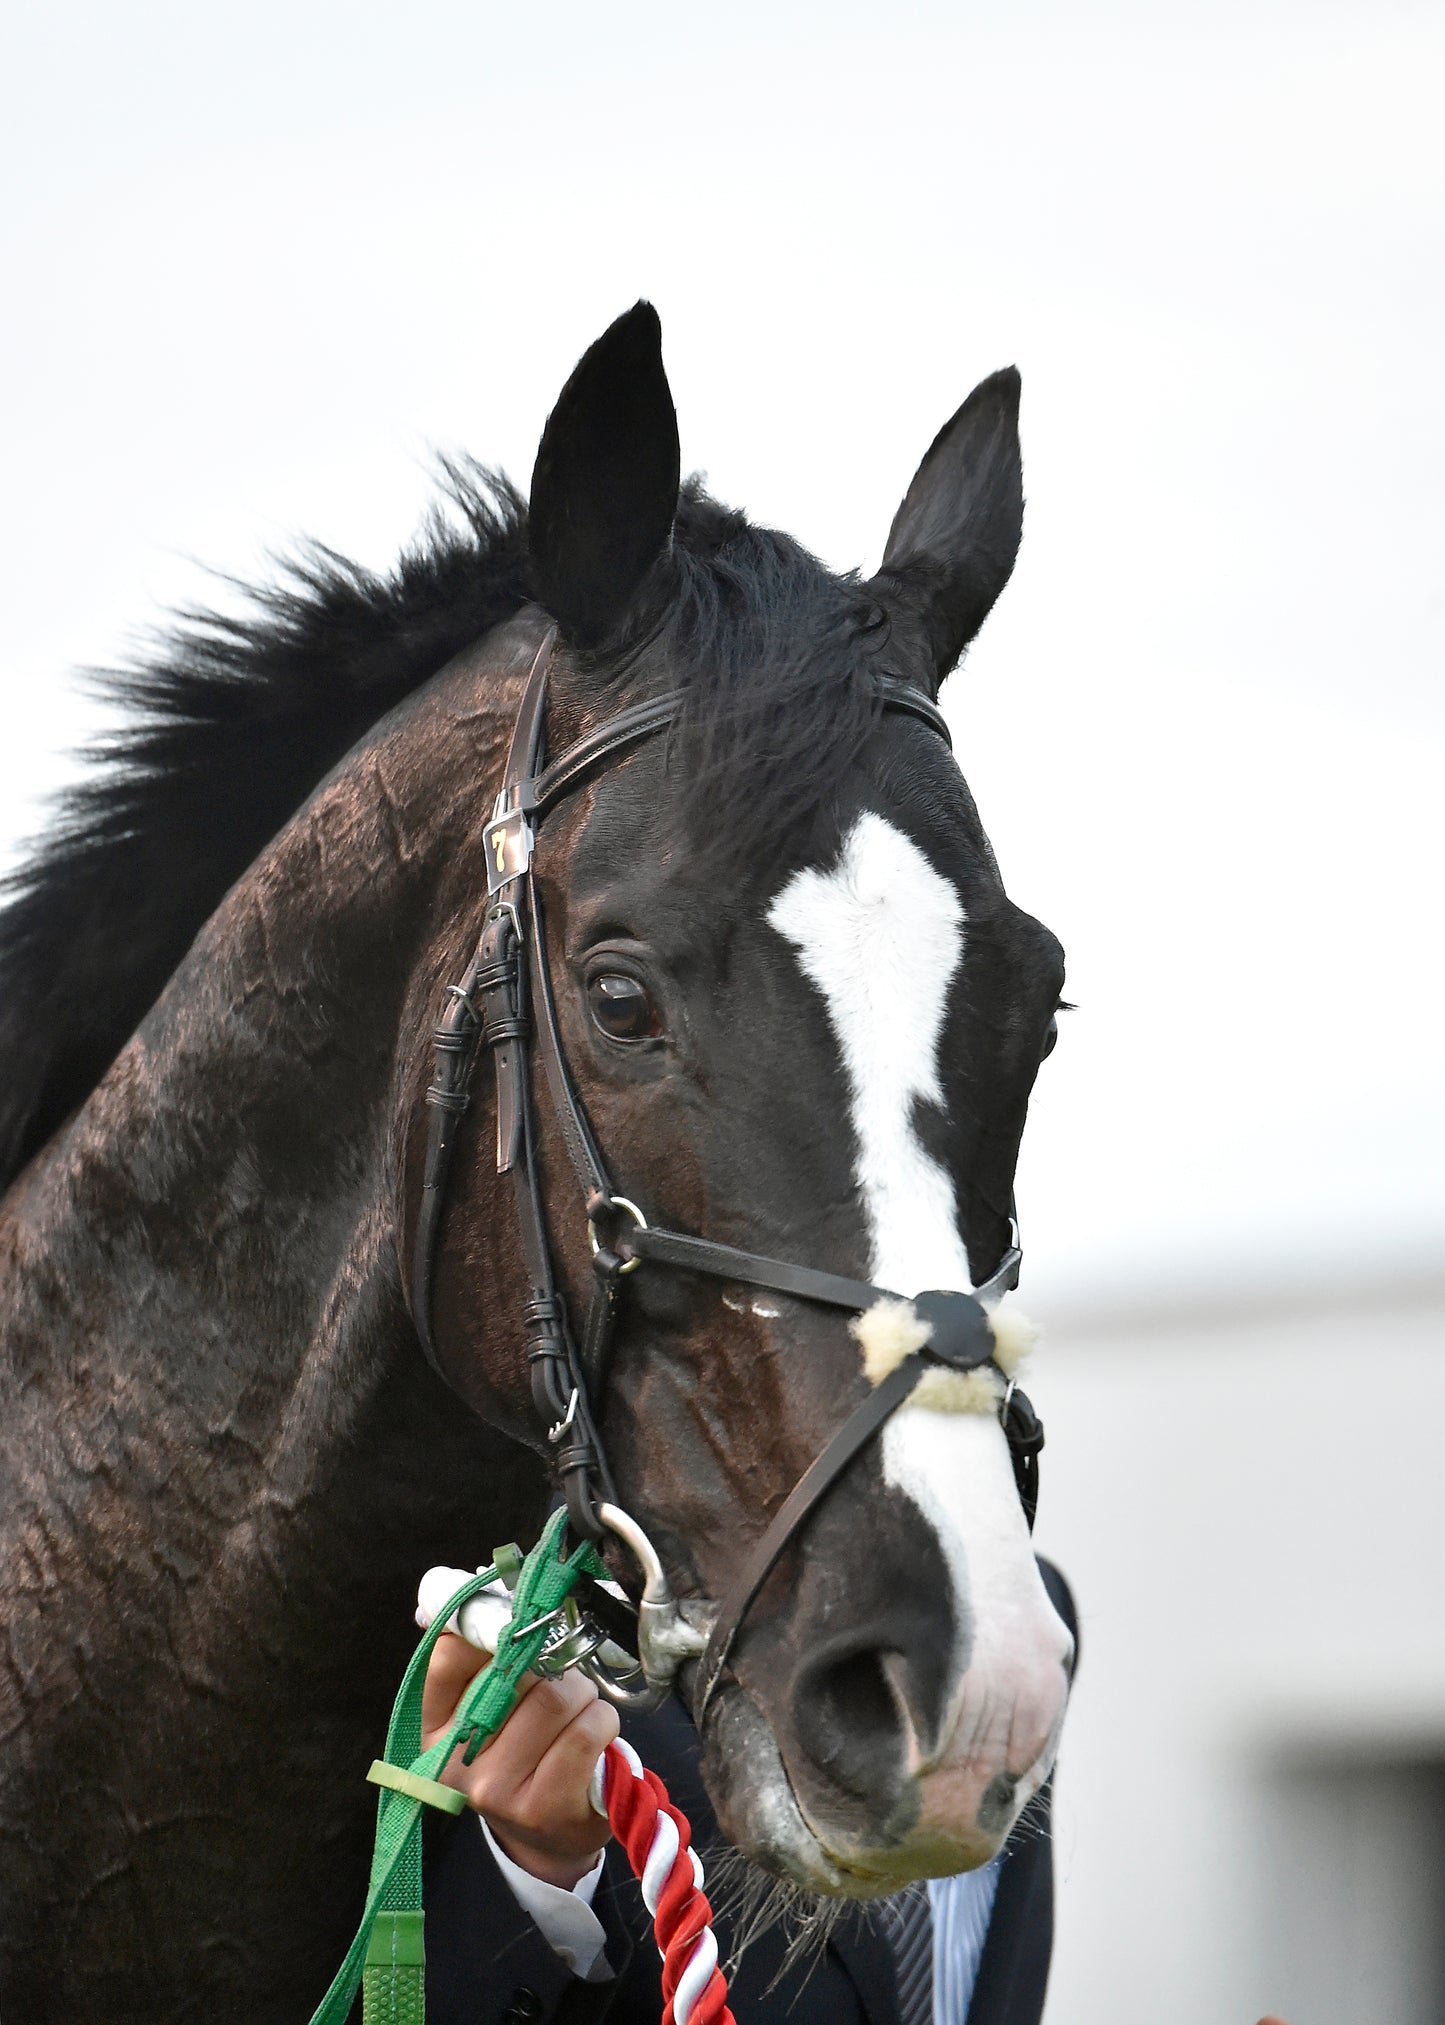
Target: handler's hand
530	1782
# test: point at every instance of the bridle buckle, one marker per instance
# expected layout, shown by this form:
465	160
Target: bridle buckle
559	1427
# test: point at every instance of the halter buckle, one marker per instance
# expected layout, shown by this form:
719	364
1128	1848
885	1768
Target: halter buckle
559	1427
503	910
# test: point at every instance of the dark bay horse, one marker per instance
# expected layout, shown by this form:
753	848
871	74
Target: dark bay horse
803	1019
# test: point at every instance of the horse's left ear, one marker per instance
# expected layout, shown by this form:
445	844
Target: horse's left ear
952	545
604	490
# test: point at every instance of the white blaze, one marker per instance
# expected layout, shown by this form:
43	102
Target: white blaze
881	935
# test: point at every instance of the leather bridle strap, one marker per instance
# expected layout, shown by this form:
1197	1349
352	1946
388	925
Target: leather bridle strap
492	972
641	720
810	1489
780	1276
499	976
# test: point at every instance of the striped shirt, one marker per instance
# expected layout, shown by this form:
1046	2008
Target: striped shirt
962	1907
936	1935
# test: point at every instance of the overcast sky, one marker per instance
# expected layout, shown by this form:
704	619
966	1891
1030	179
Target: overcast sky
260	260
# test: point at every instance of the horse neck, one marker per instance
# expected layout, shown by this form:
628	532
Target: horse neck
203	1287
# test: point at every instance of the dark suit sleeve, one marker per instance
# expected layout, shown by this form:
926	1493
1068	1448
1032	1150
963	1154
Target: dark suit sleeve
487	1962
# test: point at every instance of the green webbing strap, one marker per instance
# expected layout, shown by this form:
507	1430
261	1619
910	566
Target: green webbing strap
387	1956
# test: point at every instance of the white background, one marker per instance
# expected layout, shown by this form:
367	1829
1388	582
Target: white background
259	260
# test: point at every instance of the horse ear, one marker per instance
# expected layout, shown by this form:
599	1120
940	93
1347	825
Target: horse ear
604	490
952	545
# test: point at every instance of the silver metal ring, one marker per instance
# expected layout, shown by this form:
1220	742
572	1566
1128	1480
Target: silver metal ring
655	1586
570	1643
628	1265
649	1685
625	1689
665	1639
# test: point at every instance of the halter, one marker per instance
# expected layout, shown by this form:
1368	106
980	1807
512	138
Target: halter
505	999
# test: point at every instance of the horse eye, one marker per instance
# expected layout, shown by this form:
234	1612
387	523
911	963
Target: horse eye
1051	1040
621	1007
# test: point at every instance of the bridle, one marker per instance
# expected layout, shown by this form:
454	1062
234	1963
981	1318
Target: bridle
505	1000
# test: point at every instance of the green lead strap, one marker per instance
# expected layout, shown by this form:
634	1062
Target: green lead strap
393	1980
388	1957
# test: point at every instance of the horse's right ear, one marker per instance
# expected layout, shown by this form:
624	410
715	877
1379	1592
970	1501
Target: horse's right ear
604	490
953	542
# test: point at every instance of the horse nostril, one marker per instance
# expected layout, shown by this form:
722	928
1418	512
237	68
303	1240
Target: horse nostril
996	1808
847	1721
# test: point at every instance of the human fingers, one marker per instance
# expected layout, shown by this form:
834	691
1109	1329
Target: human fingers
452	1665
548	1824
509	1761
557	1798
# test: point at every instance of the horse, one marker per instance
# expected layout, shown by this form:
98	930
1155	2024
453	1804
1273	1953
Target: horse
802	1019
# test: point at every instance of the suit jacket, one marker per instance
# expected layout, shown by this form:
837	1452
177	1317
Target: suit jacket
488	1964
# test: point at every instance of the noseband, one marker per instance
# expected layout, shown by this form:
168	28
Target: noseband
505	999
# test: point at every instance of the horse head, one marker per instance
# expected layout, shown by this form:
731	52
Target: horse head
801	1018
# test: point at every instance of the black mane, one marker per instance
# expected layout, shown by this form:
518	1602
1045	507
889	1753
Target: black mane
235	720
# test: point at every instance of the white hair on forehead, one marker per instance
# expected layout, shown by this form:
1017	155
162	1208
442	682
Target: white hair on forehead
881	935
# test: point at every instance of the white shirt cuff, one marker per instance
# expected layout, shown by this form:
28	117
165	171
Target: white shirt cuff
565	1918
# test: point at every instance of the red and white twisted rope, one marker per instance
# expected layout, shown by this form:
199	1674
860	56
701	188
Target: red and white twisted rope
658	1842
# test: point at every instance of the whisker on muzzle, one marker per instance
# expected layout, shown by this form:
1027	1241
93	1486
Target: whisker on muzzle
753	1903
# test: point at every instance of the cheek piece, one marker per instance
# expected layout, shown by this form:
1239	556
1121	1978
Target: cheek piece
504	1001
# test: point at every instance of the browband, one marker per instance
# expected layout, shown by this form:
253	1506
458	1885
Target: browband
642	720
